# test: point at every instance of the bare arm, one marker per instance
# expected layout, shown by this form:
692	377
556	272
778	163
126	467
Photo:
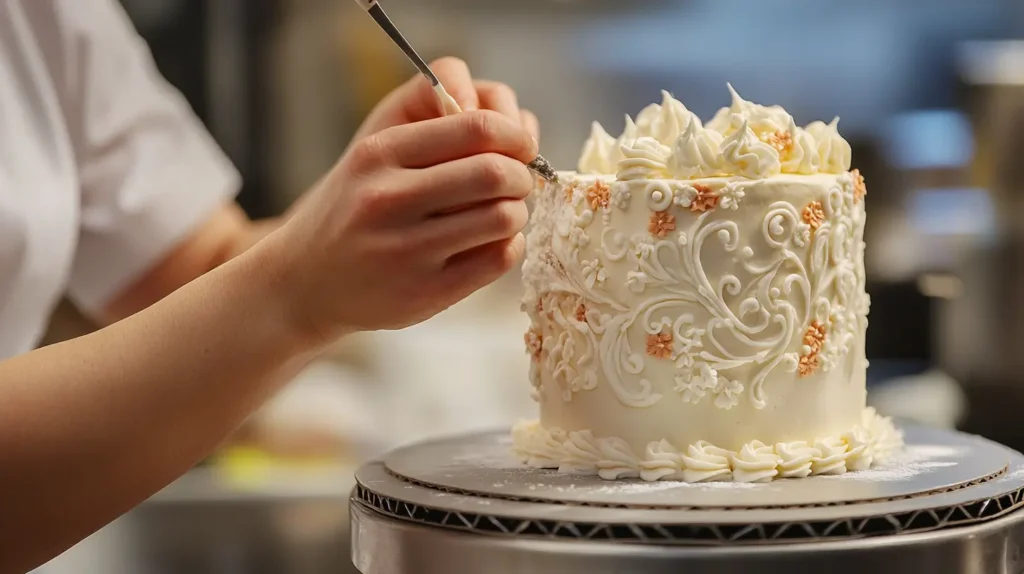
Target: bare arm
92	426
227	234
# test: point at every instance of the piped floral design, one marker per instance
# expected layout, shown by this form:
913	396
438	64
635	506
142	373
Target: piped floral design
781	140
815	336
570	190
693	385
813	214
808	365
860	189
594	272
706	199
598	195
581	313
662	223
659	345
727	393
730	196
814	341
534	343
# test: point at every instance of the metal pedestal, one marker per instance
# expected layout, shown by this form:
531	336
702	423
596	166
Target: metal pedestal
945	504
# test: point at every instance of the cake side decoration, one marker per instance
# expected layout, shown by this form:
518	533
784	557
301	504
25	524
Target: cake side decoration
700	288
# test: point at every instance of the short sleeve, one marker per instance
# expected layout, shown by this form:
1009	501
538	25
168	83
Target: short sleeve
149	171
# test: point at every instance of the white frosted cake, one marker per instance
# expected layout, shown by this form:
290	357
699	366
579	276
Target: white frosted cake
697	303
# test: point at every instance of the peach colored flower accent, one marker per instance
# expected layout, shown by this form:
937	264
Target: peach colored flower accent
534	343
706	199
860	189
815	336
808	365
598	194
814	214
660	346
661	223
570	189
581	313
781	140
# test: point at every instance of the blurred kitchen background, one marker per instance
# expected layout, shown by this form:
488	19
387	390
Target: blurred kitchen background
931	95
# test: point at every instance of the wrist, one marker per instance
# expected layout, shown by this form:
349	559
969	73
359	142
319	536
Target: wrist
276	271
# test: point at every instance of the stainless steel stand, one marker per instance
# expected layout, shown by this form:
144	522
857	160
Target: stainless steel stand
945	504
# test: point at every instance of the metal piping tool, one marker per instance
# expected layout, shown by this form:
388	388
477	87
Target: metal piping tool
539	165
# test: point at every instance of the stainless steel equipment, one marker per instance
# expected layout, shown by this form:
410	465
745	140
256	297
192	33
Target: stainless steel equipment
463	505
980	340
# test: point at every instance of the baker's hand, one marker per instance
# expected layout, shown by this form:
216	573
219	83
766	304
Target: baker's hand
415	100
411	220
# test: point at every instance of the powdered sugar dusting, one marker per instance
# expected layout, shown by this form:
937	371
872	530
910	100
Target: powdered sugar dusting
910	462
641	487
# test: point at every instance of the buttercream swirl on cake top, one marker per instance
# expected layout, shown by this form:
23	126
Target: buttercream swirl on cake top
744	139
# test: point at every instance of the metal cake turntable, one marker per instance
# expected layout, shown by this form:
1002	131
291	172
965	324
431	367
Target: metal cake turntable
945	504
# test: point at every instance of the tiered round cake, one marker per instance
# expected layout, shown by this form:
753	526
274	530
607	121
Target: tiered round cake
698	306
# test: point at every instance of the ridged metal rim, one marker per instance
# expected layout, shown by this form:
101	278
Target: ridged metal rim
913	521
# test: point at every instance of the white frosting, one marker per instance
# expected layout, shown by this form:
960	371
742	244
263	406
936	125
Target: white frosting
755	462
831	459
803	157
705	462
859	447
702	461
696	153
617	460
661	461
707	327
761	119
597	151
744	154
667	121
715	149
795	459
644	158
833	150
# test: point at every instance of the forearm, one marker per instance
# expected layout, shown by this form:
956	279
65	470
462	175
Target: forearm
93	426
227	234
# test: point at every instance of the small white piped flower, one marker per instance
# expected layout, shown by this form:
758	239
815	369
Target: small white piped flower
727	393
593	273
637	281
694	385
730	196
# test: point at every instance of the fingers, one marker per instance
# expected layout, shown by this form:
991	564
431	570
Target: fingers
502	99
457	80
449	235
462	183
424	144
530	123
419	102
471	270
498	97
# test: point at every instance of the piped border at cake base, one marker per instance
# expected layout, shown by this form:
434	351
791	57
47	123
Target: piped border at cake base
611	458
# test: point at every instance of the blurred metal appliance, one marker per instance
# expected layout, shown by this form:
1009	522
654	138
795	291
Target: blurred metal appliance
217	521
981	313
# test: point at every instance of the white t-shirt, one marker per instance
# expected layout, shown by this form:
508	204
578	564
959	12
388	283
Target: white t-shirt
103	166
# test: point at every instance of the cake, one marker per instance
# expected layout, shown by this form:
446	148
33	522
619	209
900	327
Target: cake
697	303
